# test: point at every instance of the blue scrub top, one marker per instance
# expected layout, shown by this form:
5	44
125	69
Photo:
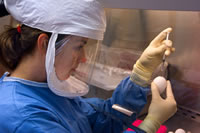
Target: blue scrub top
31	107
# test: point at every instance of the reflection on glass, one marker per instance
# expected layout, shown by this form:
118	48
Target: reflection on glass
129	33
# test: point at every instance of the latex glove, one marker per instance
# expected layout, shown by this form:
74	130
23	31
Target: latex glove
160	109
151	58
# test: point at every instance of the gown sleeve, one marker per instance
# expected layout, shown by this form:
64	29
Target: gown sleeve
127	94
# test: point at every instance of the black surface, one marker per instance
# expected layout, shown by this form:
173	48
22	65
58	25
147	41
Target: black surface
179	121
3	11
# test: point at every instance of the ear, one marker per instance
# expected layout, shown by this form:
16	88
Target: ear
42	43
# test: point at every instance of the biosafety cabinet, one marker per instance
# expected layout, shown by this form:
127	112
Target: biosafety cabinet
131	25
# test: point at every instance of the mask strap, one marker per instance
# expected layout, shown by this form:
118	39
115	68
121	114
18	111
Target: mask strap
50	58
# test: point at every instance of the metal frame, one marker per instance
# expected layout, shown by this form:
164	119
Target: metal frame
178	5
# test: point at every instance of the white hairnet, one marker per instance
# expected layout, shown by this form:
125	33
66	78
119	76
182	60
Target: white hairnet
84	18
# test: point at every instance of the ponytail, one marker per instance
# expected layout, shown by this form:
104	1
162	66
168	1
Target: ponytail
15	43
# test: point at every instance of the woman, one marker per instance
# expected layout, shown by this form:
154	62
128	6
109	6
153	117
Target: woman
42	93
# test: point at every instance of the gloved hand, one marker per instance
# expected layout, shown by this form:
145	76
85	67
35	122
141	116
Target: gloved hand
151	58
160	109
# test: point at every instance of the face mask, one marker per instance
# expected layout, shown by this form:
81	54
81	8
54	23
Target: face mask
72	87
75	85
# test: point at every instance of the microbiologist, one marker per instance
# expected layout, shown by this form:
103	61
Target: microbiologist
51	55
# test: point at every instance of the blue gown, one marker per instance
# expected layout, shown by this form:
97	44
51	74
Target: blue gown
31	107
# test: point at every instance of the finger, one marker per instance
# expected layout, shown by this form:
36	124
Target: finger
170	48
161	49
173	49
167	52
155	91
169	90
168	43
161	36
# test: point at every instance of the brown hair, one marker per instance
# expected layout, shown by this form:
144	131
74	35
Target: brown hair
14	45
